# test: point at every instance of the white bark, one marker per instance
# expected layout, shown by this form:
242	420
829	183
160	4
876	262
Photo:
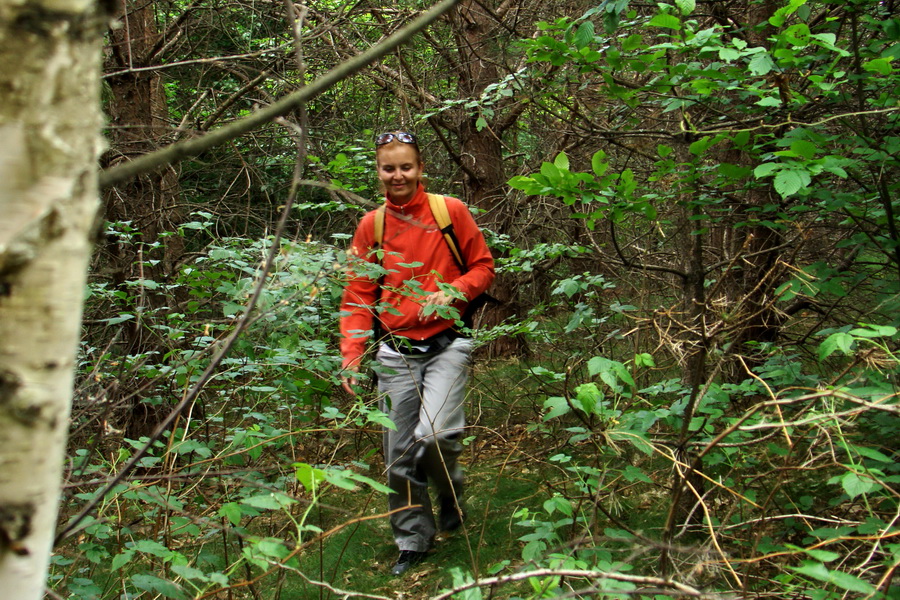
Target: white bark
49	141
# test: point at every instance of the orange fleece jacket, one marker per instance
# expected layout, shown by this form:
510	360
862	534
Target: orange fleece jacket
411	237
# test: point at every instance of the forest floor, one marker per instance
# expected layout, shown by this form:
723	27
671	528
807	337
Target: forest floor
515	465
507	471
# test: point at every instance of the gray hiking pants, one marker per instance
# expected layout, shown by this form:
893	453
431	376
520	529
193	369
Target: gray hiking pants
423	396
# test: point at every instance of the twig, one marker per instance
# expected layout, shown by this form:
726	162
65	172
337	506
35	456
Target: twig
586	574
196	61
301	547
193	147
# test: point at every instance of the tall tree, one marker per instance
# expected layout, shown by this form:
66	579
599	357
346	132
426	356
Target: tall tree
751	111
50	119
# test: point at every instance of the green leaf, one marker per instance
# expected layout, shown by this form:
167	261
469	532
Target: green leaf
121	559
836	341
729	54
153	584
557	406
824	556
271	547
189	572
340	479
769	101
584	35
635	438
761	64
632	42
644	359
558	503
152	548
874	331
686	6
551	172
529	185
882	66
855	485
702	145
232	512
632	473
378	487
790	181
599	164
804	148
816	570
766	169
780	16
611	372
871	453
120	319
308	475
842	580
270	501
665	21
380	418
588	396
561	161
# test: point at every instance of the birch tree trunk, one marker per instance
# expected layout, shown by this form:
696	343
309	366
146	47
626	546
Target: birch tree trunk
49	143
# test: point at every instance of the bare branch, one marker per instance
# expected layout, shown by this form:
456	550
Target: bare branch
193	147
586	574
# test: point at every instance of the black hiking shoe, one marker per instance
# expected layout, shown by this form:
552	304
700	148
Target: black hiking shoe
407	560
452	514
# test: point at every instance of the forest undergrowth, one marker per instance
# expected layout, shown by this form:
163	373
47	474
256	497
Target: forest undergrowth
690	390
581	481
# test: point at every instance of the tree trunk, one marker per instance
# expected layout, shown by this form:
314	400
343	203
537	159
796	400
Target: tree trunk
50	119
481	149
751	285
138	125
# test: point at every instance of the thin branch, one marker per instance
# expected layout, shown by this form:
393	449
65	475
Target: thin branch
229	102
628	263
197	61
585	574
737	257
173	30
193	147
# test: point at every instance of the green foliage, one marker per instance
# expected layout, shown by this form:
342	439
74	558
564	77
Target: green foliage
716	85
703	249
274	389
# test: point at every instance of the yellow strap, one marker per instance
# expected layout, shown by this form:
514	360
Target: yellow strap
438	206
379	226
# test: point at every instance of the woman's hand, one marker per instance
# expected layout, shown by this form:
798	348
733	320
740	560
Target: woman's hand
348	381
439	298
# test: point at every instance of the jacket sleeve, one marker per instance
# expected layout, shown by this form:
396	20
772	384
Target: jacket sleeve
479	261
360	295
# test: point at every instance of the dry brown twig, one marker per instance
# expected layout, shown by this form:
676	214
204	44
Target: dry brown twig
659	582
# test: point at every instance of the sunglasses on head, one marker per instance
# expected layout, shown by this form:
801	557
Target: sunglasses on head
400	136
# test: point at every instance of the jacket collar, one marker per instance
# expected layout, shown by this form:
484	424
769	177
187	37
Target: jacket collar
419	199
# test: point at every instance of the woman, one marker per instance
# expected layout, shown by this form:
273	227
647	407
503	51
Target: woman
422	358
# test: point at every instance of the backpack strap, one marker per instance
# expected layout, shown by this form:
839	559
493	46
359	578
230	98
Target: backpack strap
438	206
379	227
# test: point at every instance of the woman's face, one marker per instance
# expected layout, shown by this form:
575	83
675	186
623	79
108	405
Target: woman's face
399	169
